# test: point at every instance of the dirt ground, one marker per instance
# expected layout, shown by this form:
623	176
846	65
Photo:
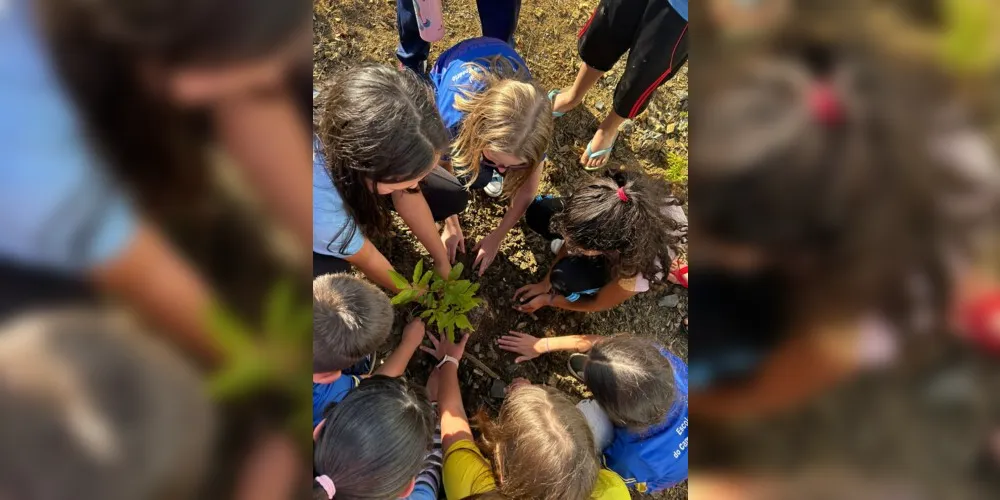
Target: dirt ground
350	33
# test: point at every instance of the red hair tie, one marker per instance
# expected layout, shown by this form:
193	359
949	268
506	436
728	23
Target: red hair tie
621	194
825	105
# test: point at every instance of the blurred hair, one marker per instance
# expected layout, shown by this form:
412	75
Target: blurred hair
380	125
634	235
512	115
373	443
351	318
849	209
92	408
540	446
99	48
631	380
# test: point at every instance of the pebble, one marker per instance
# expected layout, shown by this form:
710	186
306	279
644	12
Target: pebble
671	127
477	371
670	301
477	348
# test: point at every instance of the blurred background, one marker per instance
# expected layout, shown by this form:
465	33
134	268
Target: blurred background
154	230
843	191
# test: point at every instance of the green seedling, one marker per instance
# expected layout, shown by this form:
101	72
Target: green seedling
444	300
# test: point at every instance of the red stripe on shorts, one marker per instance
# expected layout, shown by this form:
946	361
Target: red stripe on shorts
585	26
645	95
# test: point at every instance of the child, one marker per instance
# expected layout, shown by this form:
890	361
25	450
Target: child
373	443
654	33
377	146
611	236
539	448
352	318
93	408
498	19
500	125
639	412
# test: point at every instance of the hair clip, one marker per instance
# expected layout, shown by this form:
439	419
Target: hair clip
621	194
824	104
327	485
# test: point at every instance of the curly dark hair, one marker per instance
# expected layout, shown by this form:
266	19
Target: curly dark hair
634	233
380	125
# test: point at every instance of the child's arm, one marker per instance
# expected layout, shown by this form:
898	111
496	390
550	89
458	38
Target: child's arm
530	347
454	421
373	264
413	209
610	296
488	247
395	364
154	279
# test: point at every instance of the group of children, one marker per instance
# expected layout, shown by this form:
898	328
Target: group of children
379	436
417	142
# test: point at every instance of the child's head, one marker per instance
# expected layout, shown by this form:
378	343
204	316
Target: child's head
541	446
510	122
110	411
621	216
380	133
351	318
373	443
631	380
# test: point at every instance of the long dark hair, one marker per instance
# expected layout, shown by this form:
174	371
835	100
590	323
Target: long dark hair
380	125
99	47
633	232
373	443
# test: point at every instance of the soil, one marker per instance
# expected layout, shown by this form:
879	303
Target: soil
351	33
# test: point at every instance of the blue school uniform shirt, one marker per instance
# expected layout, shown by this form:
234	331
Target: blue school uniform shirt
334	392
334	231
681	7
657	458
451	74
58	207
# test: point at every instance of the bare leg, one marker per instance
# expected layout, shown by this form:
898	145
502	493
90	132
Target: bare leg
573	96
603	139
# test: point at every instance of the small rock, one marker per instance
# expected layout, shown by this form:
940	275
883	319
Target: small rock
671	127
670	301
498	390
477	371
599	105
477	348
627	127
521	325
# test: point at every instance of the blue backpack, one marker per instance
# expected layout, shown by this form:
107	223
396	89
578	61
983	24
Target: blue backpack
655	459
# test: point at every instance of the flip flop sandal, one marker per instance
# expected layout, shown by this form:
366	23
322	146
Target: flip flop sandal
552	98
597	154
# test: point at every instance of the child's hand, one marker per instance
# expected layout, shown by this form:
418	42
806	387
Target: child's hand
535	304
528	346
531	291
413	333
443	347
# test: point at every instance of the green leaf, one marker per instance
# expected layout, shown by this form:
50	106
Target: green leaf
418	271
438	285
451	332
967	34
238	379
398	280
426	278
456	271
432	320
462	322
278	309
231	333
405	296
426	314
474	288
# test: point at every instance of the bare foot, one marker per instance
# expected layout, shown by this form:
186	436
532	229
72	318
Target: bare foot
602	140
565	101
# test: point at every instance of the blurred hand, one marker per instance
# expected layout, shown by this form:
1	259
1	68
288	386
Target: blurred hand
535	304
528	346
531	291
271	471
486	251
452	237
413	333
443	346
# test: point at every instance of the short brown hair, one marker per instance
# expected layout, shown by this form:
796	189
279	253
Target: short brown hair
541	446
631	380
351	318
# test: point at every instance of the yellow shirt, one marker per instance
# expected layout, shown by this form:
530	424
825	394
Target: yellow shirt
467	472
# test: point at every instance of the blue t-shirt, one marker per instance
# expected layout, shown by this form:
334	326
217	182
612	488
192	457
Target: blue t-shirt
681	6
334	392
58	207
657	458
334	231
452	75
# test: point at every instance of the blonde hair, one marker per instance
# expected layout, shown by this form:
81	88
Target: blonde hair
512	115
541	446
